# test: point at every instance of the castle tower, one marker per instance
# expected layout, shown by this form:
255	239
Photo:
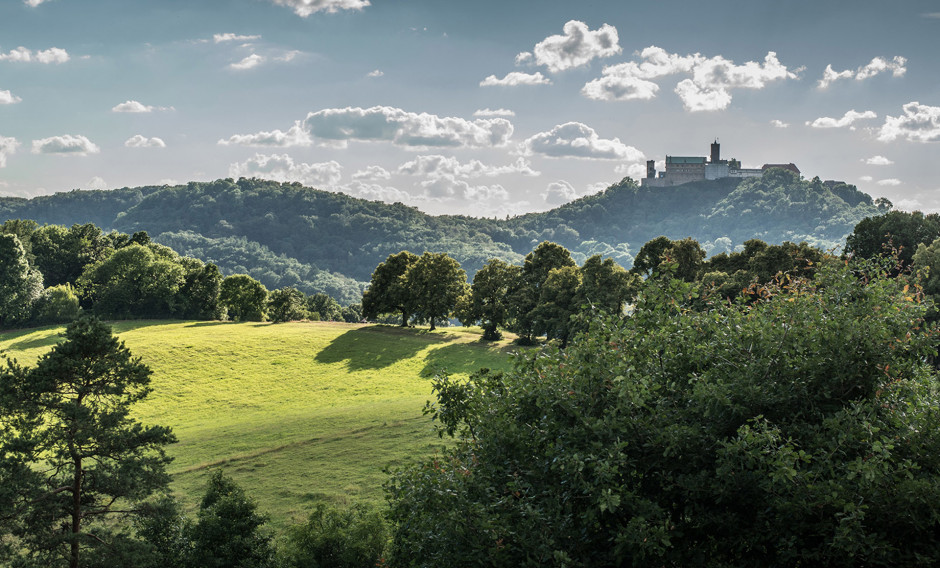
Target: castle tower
716	152
650	169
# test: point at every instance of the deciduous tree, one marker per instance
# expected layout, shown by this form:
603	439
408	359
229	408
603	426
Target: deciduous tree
388	291
434	283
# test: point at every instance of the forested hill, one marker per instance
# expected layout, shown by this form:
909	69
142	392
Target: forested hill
289	235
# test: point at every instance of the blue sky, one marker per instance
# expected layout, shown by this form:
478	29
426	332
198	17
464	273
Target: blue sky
478	108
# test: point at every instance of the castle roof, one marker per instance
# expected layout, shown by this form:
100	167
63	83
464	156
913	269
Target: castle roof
685	160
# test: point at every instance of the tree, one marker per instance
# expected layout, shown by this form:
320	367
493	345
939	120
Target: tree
95	461
606	285
63	254
20	285
135	281
797	430
325	307
227	532
287	304
878	235
388	291
434	283
524	296
339	538
489	296
686	253
243	298
650	256
558	301
199	294
58	304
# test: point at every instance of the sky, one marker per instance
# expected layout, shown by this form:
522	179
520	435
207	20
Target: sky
483	108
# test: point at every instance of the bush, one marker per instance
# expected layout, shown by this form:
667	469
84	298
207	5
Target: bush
798	430
338	538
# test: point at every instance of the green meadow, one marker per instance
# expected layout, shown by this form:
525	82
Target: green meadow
296	413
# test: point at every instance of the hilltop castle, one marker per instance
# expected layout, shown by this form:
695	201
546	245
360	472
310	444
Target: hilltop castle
683	169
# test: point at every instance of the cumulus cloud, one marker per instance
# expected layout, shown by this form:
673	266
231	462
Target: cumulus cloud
578	46
891	182
226	37
877	161
33	3
76	145
96	182
919	123
577	140
525	58
249	62
632	80
375	73
304	8
866	178
375	192
635	171
132	106
514	79
8	146
559	192
849	118
713	78
777	123
435	166
47	56
450	187
405	128
878	65
281	167
489	113
295	136
372	173
8	98
141	141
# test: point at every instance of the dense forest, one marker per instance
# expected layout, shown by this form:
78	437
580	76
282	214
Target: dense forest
284	234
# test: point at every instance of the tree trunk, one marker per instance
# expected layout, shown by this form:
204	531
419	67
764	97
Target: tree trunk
404	318
432	324
76	511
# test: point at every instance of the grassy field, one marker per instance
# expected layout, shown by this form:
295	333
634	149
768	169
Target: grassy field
296	413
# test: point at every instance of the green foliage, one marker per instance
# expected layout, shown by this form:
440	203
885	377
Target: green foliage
489	297
433	284
524	295
797	430
227	532
287	304
337	538
93	461
243	298
388	290
605	285
20	285
898	231
58	304
62	254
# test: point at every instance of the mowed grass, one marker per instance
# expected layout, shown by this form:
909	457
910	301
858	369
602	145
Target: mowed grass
296	413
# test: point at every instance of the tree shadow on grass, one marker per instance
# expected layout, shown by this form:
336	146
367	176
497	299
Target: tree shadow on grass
466	358
42	340
377	347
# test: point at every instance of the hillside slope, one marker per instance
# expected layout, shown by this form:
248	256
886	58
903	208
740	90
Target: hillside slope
296	413
286	234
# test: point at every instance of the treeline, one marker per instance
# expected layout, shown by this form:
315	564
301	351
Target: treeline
50	274
284	234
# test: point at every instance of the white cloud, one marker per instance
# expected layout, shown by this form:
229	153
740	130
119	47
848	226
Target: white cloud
514	79
220	38
636	171
830	76
712	79
295	136
866	178
574	139
631	80
847	119
489	113
288	55
578	46
559	192
304	8
375	73
880	65
524	58
450	187
47	56
777	123
33	3
877	161
140	141
132	106
375	192
435	166
920	123
406	128
96	183
281	167
8	146
371	173
8	98
877	66
76	145
249	62
891	181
